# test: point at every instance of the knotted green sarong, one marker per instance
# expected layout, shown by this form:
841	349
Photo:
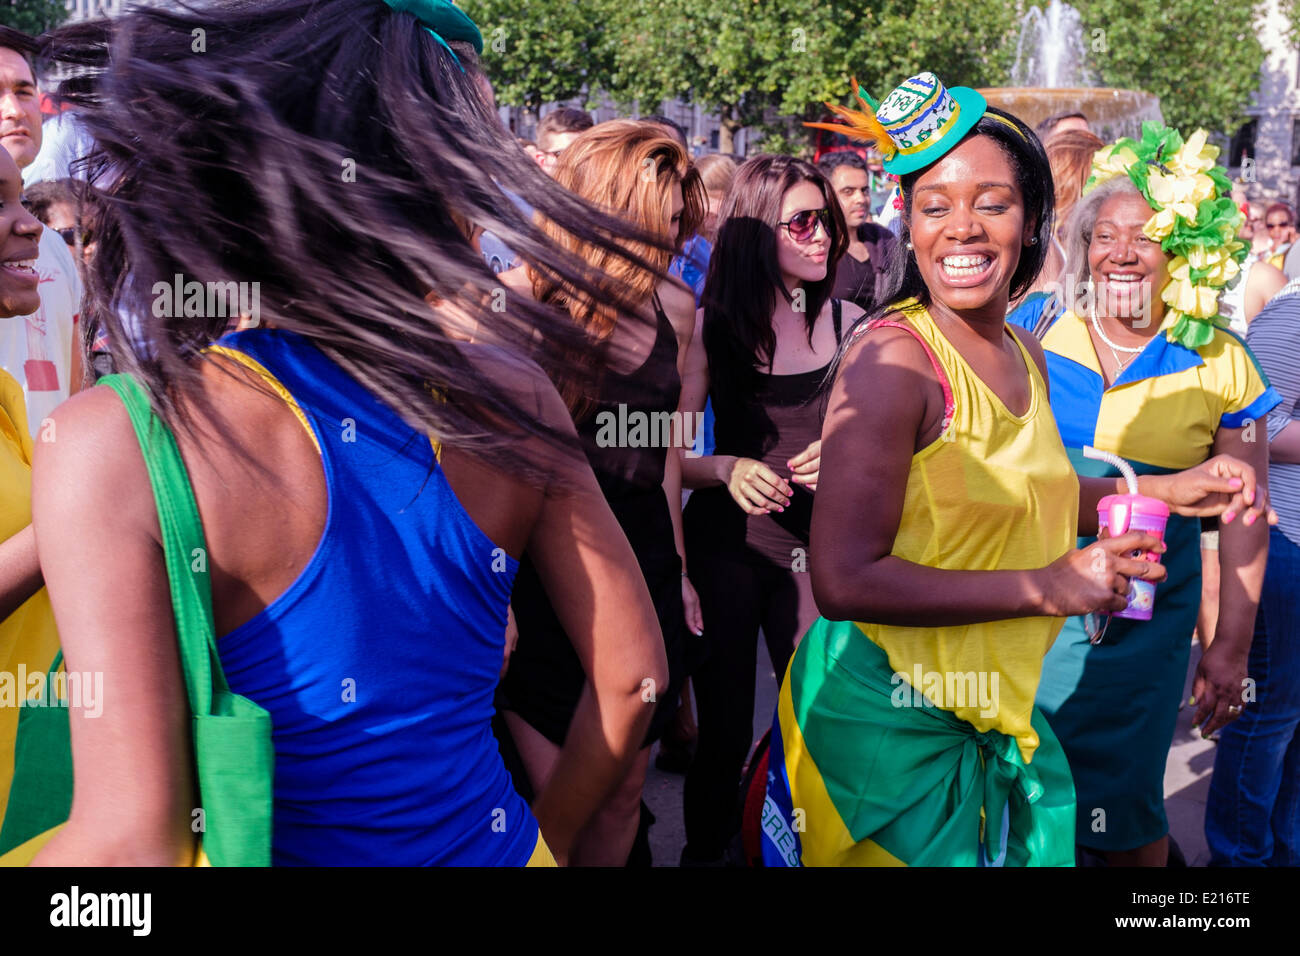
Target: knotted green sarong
864	771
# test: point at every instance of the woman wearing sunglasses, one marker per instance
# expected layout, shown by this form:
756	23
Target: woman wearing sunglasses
767	334
943	555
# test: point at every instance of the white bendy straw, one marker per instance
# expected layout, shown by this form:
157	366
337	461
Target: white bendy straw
1110	458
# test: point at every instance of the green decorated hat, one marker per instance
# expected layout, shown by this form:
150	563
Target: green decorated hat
915	125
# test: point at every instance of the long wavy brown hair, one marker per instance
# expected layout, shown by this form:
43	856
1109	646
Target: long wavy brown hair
629	169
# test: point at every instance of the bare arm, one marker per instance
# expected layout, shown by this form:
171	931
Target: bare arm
94	513
20	571
1285	448
594	583
701	471
1265	281
884	405
1243	554
679	305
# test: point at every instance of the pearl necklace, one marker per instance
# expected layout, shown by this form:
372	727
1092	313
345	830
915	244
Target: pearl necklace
1114	349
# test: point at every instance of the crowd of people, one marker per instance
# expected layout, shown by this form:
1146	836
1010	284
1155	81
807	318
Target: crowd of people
485	496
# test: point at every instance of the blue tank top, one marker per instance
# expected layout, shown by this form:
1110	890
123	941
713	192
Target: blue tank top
379	663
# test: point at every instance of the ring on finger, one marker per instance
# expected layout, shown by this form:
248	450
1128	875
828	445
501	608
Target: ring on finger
1234	708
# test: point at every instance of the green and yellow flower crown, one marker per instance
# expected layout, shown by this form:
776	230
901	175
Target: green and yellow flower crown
1195	221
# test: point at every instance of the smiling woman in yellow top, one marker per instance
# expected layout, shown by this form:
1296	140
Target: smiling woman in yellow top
941	552
28	640
1140	368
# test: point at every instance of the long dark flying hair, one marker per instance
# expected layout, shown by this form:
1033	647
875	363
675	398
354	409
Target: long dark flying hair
333	153
744	275
1034	178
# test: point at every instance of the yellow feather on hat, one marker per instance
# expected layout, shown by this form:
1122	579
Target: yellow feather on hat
862	125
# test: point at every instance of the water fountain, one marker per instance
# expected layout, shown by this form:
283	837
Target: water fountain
1052	75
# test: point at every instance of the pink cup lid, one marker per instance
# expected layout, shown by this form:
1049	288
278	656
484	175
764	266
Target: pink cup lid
1118	510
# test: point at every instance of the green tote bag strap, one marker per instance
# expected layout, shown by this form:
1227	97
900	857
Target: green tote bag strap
233	751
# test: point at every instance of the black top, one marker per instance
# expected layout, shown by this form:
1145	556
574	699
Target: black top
857	281
772	422
626	434
627	447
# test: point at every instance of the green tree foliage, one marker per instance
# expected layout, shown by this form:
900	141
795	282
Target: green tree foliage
1202	59
756	60
770	64
32	16
541	51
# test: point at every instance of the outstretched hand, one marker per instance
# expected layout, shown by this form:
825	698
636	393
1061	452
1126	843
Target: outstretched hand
1220	486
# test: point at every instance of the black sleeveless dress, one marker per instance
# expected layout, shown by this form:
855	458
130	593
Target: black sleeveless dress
776	420
545	677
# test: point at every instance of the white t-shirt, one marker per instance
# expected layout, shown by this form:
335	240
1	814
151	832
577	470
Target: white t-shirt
37	349
64	140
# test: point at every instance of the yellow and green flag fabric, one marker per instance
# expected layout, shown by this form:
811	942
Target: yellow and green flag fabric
866	771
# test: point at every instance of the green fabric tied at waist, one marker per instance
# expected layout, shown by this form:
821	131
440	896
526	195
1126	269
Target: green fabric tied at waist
912	777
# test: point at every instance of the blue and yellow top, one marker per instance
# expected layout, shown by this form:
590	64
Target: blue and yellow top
1164	409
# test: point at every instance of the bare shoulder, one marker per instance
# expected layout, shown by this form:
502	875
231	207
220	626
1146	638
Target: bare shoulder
87	453
1033	347
1267	278
679	305
850	313
523	381
886	346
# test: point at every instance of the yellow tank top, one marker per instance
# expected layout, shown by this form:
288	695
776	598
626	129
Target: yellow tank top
995	491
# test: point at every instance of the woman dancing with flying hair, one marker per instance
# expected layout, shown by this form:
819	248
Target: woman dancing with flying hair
367	478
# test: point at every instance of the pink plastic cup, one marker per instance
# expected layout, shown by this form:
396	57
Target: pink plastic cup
1119	514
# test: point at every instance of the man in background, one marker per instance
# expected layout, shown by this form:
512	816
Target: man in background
40	350
870	245
556	131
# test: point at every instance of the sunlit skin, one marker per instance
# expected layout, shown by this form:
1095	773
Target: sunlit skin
549	148
802	261
969	205
1281	229
19	245
1128	271
20	109
853	189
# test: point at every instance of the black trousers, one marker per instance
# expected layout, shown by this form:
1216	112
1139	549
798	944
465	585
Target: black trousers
736	599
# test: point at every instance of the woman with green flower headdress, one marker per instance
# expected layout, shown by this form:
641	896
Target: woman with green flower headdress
1142	366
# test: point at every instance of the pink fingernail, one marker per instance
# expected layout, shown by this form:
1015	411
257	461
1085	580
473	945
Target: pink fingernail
1250	519
1228	516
